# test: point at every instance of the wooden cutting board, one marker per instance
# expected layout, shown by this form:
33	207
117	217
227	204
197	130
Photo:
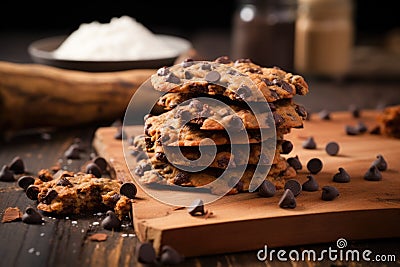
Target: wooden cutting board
363	210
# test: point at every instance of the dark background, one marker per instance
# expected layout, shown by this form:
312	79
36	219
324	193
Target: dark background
373	19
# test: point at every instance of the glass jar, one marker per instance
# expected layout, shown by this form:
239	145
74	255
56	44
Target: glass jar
324	37
263	31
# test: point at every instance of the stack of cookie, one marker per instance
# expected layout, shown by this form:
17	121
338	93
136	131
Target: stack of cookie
220	115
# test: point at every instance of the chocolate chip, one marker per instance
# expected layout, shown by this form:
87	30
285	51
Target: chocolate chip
314	165
223	60
294	186
309	143
196	208
52	194
301	110
25	181
380	163
310	185
213	76
351	130
376	130
361	127
287	147
329	193
101	163
6	175
181	178
295	163
342	176
373	174
183	114
72	152
142	167
141	155
187	62
128	189
170	256
162	71
120	134
332	148
145	253
63	181
93	168
31	216
279	120
17	165
287	87
206	66
324	114
111	221
255	70
267	189
287	201
32	192
244	91
172	78
188	75
355	111
196	105
160	156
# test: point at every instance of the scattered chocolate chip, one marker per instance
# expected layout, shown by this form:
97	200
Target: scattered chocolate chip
267	189
223	60
329	193
128	189
376	130
72	152
361	127
355	111
287	147
93	168
332	148
310	185
6	175
287	200
324	114
342	176
295	163
25	181
294	186
11	214
17	165
170	256
111	221
380	163
101	163
31	216
196	208
172	78
212	76
314	165
32	192
48	198
351	130
145	253
309	143
162	71
63	181
373	174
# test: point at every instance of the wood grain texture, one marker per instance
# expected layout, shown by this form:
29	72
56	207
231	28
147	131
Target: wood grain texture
364	209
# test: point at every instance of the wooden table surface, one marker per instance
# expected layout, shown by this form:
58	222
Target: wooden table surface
64	241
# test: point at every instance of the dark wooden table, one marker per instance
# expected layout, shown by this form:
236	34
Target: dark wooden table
64	241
